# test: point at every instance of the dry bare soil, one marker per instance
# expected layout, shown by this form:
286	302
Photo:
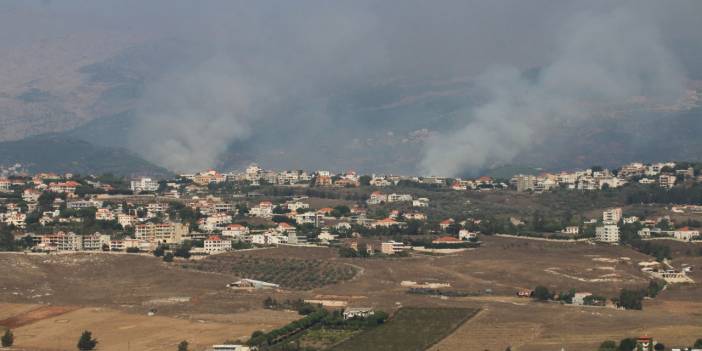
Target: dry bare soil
54	297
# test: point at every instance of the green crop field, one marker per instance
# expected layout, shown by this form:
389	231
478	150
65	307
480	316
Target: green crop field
410	329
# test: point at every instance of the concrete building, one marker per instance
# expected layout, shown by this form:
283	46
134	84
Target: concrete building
685	233
215	244
666	181
612	215
524	182
392	247
608	233
143	184
571	230
170	233
61	241
358	312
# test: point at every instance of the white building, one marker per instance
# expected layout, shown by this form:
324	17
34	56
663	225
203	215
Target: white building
465	234
95	241
235	231
612	215
264	210
377	198
358	312
30	195
311	217
608	233
215	244
399	197
171	233
216	221
571	230
392	247
326	237
143	184
61	241
125	220
685	233
420	202
296	205
666	181
104	214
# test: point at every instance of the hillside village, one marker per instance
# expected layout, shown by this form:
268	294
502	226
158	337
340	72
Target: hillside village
212	212
226	222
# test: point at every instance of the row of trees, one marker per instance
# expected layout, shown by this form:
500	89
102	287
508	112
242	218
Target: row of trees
676	195
319	318
630	299
629	344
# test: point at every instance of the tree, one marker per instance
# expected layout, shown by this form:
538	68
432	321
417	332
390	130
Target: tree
364	180
86	341
183	346
698	344
631	299
608	345
659	347
8	338
628	344
159	251
168	257
541	293
340	211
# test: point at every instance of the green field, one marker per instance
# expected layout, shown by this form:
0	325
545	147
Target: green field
410	329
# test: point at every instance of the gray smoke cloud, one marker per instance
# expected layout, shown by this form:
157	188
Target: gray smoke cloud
377	86
191	116
602	59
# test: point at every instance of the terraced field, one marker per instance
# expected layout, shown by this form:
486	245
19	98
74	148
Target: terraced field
292	273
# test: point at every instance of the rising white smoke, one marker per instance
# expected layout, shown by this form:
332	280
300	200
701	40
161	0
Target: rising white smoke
263	61
602	59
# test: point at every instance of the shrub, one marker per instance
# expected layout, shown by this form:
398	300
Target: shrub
541	293
86	341
7	339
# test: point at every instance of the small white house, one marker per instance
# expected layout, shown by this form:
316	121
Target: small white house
358	312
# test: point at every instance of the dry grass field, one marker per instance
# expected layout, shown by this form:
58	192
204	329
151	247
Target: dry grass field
120	331
105	292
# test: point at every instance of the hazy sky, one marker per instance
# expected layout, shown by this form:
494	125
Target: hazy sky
264	64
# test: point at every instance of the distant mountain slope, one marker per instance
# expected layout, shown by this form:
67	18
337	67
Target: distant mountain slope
110	131
55	153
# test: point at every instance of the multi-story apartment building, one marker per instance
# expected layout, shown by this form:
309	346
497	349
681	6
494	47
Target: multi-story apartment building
612	215
170	233
144	184
608	233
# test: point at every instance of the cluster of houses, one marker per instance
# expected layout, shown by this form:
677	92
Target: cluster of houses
150	214
608	230
148	220
664	174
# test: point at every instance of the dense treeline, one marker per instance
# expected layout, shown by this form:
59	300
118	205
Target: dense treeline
677	195
659	251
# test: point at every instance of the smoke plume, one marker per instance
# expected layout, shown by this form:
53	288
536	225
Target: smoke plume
601	60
